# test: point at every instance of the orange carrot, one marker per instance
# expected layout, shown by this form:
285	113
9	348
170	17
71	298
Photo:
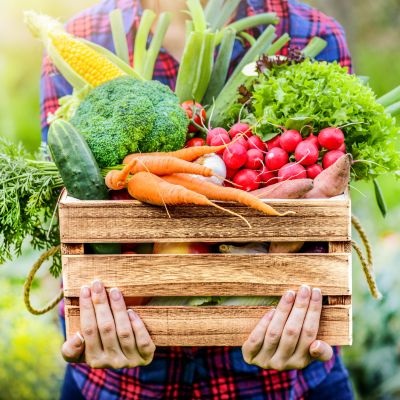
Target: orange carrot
162	165
215	192
151	189
187	154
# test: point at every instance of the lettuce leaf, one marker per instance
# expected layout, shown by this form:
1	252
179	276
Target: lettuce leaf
324	94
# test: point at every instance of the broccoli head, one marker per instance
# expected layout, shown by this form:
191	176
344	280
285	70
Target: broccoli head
126	115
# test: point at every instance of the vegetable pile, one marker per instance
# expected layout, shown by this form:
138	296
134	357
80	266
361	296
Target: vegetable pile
313	96
288	129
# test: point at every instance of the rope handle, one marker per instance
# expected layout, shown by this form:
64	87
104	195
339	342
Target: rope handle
366	261
28	284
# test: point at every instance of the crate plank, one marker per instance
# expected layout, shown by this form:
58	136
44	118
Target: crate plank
208	274
131	221
218	325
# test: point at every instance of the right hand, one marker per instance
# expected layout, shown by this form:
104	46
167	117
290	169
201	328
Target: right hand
112	336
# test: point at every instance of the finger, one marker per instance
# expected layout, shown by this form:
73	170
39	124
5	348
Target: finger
275	328
321	351
72	349
310	328
144	343
105	319
89	324
253	344
123	325
291	332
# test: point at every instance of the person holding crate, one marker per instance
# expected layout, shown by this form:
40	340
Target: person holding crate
281	359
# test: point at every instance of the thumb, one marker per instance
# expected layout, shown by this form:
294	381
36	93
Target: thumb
320	350
73	348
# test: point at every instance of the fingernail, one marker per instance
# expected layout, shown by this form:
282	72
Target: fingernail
78	339
115	294
85	291
97	286
304	291
132	315
316	294
315	346
289	296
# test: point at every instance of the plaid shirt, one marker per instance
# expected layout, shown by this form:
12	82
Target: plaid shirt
211	372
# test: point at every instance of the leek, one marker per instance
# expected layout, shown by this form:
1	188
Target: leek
142	35
314	47
390	98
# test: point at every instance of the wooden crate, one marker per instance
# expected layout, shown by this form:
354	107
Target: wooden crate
209	274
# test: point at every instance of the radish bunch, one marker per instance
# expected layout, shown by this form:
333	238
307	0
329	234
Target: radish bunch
252	163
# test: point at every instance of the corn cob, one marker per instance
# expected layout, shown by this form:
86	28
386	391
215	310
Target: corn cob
80	64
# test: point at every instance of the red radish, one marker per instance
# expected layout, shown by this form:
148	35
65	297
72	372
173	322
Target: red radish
314	170
215	132
196	141
274	142
220	139
290	139
292	171
241	140
313	139
331	138
306	153
240	129
342	147
120	195
246	179
276	158
255	159
330	158
235	156
255	142
230	173
266	177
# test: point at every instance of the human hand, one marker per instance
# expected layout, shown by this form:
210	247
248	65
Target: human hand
112	336
285	338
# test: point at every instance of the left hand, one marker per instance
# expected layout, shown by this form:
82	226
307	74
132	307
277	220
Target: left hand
285	338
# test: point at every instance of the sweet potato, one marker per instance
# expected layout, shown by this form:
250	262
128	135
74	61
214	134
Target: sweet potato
292	189
332	181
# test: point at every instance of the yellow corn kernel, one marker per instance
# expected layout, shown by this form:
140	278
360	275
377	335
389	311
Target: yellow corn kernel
86	62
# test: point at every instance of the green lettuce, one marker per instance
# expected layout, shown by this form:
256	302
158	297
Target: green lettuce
321	94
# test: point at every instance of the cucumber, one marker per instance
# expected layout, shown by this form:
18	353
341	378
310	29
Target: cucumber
78	169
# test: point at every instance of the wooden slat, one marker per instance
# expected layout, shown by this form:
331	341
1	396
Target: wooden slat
219	326
130	221
208	274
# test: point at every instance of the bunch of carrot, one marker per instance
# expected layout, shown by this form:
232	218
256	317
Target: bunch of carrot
172	179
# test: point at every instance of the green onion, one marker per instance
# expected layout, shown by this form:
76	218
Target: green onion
140	50
197	13
224	14
187	73
278	44
205	67
394	109
390	98
314	47
220	70
250	22
213	8
156	43
118	35
248	37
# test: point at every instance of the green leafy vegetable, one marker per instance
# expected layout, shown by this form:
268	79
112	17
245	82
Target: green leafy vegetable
29	190
324	94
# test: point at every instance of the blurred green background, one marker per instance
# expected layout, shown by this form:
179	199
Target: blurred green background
30	364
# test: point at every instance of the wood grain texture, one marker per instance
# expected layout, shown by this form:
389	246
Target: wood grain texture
208	274
72	248
219	326
131	221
